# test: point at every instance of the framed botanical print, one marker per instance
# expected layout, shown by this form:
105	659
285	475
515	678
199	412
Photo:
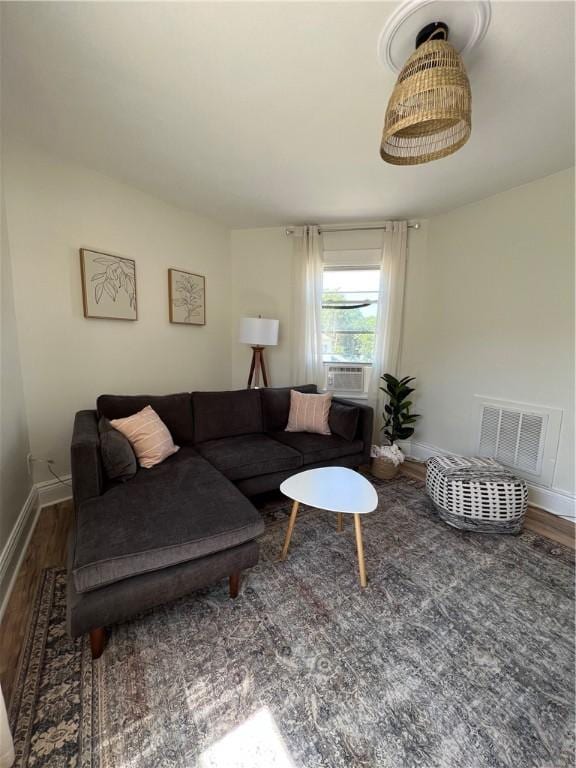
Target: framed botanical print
186	297
108	286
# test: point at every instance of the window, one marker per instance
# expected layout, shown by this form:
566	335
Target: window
349	309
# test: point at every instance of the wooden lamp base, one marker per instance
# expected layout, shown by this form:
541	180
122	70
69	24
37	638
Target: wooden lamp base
256	366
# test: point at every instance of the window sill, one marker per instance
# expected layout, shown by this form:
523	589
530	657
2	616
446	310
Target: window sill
351	396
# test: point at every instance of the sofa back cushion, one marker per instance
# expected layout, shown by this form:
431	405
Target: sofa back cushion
118	457
174	410
343	420
276	405
226	414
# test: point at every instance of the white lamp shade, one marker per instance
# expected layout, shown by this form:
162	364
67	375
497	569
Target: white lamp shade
259	331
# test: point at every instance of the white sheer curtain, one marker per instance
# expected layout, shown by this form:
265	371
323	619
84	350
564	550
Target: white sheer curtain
307	344
6	746
389	319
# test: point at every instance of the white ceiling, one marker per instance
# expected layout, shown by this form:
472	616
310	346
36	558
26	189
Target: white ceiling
269	113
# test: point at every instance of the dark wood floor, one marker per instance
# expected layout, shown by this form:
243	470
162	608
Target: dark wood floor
47	549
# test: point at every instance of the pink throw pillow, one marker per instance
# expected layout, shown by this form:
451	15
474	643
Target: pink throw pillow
309	413
148	435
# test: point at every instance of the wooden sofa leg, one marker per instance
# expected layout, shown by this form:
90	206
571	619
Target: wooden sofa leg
234	580
97	642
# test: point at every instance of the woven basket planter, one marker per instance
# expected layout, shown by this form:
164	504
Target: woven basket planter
477	494
384	469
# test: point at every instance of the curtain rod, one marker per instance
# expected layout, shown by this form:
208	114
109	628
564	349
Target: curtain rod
321	230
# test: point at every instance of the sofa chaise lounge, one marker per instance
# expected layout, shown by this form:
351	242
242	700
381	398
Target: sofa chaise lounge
187	522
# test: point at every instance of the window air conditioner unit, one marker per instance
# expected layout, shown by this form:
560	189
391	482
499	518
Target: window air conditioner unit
345	378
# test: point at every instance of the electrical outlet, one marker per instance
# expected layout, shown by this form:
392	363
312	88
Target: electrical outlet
29	461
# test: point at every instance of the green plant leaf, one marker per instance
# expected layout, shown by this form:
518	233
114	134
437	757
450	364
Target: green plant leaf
396	414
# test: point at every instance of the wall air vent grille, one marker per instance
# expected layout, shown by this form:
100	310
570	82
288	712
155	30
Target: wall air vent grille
521	436
513	437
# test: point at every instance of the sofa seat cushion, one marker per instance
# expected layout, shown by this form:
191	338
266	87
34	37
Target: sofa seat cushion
315	447
249	455
177	511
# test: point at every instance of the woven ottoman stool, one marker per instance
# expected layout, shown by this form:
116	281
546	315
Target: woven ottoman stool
476	494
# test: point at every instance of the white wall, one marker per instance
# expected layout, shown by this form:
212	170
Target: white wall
261	262
16	516
53	209
490	311
15	484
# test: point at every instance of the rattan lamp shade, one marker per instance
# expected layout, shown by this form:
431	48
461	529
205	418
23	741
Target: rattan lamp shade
429	112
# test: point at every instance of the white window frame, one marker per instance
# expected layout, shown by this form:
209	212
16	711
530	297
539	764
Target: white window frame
334	267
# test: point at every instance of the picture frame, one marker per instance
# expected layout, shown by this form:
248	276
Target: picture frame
108	286
186	297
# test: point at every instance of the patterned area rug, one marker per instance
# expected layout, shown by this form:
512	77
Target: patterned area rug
459	654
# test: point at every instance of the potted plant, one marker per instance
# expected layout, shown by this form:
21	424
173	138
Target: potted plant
386	458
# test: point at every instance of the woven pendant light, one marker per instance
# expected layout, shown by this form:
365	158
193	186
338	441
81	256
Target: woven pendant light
429	112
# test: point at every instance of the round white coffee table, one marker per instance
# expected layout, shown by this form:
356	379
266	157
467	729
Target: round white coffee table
335	489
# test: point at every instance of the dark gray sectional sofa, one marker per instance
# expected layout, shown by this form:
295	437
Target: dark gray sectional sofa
187	522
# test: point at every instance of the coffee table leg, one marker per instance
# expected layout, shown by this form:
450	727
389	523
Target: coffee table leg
360	548
340	522
291	523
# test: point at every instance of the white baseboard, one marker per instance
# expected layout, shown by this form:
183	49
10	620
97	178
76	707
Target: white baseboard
13	553
41	495
421	451
53	492
552	500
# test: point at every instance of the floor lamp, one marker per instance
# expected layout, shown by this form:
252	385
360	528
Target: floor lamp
258	332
